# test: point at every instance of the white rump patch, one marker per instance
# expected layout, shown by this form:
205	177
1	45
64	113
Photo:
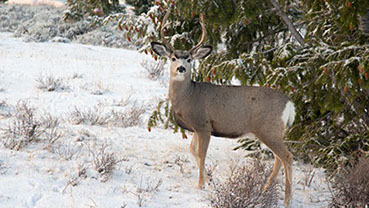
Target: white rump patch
288	115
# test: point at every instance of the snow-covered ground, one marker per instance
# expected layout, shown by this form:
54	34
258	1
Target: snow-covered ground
40	175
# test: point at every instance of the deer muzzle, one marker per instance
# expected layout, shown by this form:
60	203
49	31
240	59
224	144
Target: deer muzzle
181	69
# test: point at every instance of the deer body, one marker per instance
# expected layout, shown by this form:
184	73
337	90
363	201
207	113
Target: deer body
227	111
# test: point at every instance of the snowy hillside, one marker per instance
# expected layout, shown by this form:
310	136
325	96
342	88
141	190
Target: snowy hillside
154	169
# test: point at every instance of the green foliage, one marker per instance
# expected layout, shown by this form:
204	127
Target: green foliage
328	78
334	19
91	9
140	6
332	98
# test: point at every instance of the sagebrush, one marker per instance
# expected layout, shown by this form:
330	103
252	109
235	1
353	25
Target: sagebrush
350	188
25	127
244	187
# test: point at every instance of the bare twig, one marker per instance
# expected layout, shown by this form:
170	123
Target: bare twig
288	22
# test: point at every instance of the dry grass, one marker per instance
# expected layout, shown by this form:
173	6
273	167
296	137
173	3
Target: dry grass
244	188
351	186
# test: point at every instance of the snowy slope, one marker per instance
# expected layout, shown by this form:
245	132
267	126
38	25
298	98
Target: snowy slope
41	175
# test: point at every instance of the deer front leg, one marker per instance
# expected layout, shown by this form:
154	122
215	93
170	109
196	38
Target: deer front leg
203	139
193	149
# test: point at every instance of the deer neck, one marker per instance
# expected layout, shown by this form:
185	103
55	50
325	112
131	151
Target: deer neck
179	90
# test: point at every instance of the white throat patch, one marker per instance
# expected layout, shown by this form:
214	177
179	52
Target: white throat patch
179	77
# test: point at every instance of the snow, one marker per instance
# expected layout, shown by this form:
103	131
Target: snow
41	175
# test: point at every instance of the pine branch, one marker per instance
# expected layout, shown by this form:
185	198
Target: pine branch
288	22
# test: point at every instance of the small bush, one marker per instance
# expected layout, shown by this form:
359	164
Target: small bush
96	116
66	152
51	131
49	83
104	162
244	188
132	117
351	186
23	128
143	191
154	69
93	116
95	88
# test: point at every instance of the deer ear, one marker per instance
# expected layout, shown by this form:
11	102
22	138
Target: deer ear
202	52
160	49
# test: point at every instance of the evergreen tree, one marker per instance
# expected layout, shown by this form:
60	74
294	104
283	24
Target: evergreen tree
140	6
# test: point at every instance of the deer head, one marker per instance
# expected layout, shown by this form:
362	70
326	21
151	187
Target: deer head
181	60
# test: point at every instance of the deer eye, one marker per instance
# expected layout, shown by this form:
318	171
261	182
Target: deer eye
188	60
173	59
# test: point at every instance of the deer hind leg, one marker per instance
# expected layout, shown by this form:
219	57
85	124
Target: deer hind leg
203	139
280	151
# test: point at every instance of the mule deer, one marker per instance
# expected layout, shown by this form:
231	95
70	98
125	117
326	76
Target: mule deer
226	111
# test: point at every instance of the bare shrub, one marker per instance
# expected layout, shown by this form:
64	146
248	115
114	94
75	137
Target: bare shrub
66	152
154	69
309	174
180	161
95	88
95	116
76	180
132	117
51	131
210	170
244	188
144	190
92	116
23	128
104	162
351	186
49	83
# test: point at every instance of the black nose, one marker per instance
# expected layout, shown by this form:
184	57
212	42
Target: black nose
181	69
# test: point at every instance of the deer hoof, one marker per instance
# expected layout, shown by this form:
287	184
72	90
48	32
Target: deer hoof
200	187
287	203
